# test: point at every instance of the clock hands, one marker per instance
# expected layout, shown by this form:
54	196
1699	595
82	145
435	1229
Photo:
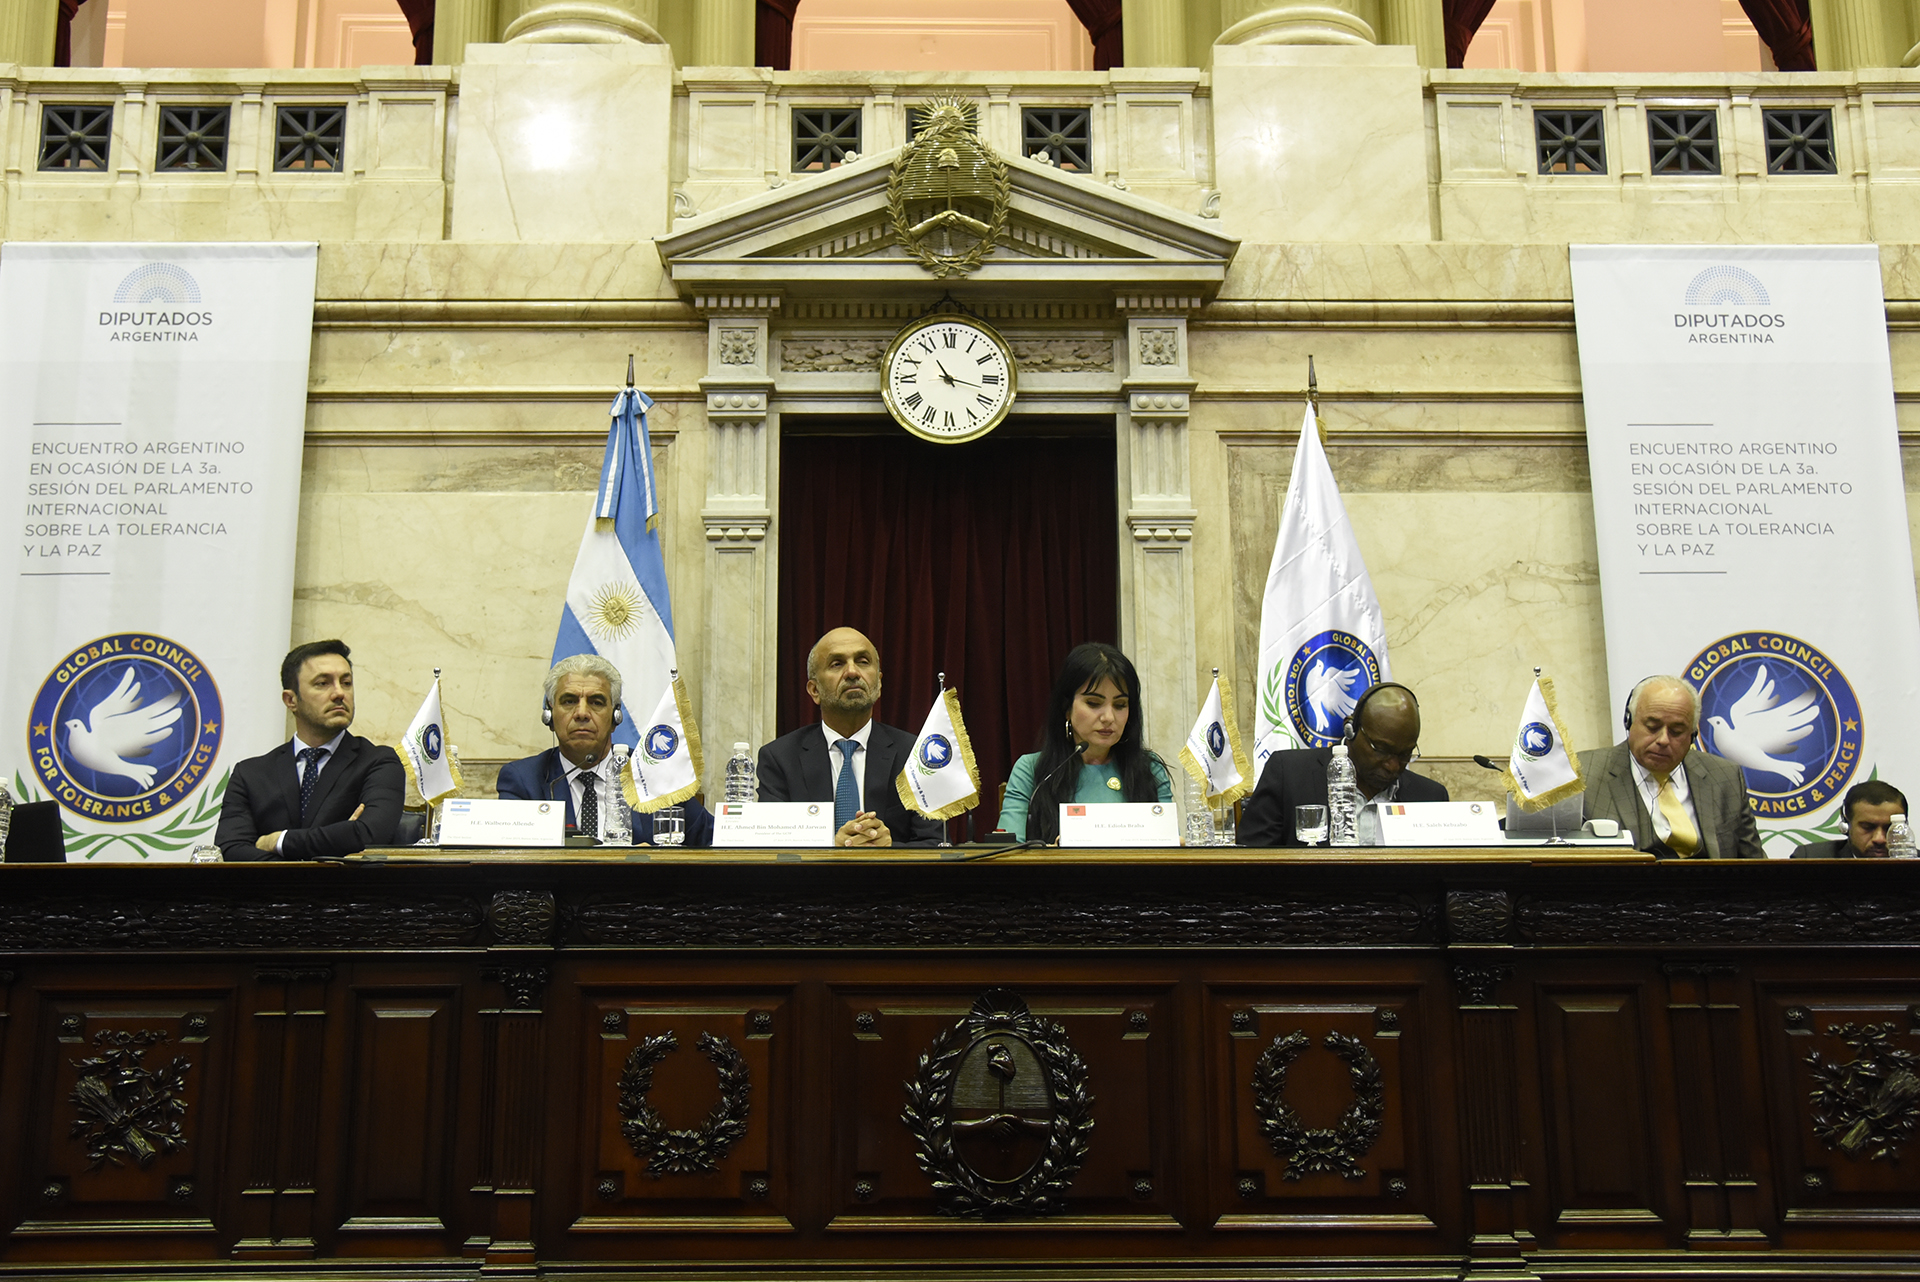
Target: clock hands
949	379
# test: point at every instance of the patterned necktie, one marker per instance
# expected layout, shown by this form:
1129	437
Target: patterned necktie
1683	838
589	806
846	793
309	774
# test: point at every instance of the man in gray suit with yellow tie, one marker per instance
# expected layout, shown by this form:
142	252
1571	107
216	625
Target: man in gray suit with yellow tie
1678	805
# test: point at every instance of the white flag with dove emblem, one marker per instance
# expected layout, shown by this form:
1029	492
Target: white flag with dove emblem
664	770
941	779
1323	640
425	754
1213	755
1541	769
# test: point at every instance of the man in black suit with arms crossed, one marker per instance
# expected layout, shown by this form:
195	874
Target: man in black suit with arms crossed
843	676
324	794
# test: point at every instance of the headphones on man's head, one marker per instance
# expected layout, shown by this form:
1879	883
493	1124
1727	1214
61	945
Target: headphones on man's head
1353	718
546	714
1626	713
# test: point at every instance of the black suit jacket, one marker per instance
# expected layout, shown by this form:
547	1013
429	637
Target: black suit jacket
1718	790
795	767
1298	777
1841	849
543	777
263	796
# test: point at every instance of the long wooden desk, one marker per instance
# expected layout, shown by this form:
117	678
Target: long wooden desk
1431	1065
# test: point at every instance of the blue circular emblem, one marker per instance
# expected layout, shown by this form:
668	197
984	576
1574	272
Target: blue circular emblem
1325	679
1536	740
1784	713
1216	739
430	743
125	728
662	741
936	752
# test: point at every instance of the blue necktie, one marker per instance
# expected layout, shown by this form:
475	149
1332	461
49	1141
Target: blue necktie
846	793
309	775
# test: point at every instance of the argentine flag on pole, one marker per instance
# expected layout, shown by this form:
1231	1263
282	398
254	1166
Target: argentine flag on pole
617	604
1323	640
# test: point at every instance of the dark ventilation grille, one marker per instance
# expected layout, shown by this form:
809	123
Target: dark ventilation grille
1799	142
1684	142
824	136
1063	133
309	139
1570	142
193	139
75	136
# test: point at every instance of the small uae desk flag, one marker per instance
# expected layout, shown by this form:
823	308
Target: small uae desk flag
941	779
665	768
1540	769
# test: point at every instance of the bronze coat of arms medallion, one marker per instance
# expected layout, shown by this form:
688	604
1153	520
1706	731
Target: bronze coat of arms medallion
948	194
1000	1112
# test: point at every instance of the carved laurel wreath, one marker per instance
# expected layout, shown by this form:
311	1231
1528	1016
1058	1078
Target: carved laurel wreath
1869	1106
950	123
125	1110
1307	1151
958	1188
668	1152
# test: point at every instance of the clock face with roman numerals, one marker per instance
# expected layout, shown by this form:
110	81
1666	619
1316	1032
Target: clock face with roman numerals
948	378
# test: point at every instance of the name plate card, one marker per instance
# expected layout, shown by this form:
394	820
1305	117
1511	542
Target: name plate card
793	824
1440	823
485	822
1120	823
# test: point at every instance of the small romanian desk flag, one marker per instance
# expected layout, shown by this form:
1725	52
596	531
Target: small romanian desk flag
941	779
1541	769
1212	754
428	760
664	770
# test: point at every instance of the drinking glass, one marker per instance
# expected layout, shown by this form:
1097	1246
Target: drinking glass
669	826
1310	823
205	854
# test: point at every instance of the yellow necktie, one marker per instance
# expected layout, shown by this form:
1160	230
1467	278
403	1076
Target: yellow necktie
1682	838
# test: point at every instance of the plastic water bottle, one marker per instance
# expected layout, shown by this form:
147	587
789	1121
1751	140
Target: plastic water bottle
6	815
616	820
1900	839
741	783
1343	800
1199	816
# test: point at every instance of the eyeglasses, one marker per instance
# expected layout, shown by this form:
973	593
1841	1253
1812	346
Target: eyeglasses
1405	758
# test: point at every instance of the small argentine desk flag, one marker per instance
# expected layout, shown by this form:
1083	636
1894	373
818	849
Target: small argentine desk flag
941	779
428	758
617	605
1540	769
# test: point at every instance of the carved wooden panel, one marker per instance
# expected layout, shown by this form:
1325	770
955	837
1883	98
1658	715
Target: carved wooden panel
126	1123
1847	1127
399	1164
286	1088
1111	1044
1605	1177
1320	1089
684	1112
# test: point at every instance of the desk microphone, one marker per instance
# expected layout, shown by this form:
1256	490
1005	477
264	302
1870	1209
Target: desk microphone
1485	763
1079	750
1031	843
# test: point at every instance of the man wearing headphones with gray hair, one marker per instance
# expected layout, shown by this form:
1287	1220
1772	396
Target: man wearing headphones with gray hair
581	707
1689	807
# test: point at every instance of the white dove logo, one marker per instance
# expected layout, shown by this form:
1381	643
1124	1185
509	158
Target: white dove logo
1762	726
661	742
1325	679
118	727
1330	694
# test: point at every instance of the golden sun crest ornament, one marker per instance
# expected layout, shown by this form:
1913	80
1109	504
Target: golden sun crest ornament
948	193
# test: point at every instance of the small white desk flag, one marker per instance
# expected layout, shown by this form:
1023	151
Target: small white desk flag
1213	755
666	765
941	779
429	762
1541	769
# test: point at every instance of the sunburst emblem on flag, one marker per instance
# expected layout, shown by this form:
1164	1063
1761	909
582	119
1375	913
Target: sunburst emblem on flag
615	612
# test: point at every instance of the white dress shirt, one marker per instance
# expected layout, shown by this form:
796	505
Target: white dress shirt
1650	793
602	772
834	759
327	750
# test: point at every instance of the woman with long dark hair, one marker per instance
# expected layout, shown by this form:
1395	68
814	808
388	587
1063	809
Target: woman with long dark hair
1090	749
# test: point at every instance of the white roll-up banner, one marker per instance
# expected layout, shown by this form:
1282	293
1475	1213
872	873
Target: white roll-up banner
1750	511
152	410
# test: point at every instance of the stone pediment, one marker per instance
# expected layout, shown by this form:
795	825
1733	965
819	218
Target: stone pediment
1067	237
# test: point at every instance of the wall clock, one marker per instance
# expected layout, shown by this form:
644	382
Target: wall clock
948	378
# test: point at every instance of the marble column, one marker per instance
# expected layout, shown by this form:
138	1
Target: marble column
1157	627
722	34
27	31
1261	22
587	22
737	683
1419	23
459	23
1850	34
1153	33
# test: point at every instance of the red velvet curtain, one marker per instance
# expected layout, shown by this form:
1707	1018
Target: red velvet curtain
1462	18
63	32
773	33
1101	18
986	561
1786	26
420	23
